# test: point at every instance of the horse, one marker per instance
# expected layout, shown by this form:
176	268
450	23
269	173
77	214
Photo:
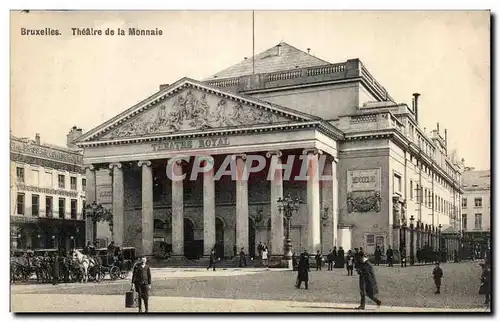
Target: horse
84	262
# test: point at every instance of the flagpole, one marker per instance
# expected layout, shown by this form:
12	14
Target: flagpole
253	42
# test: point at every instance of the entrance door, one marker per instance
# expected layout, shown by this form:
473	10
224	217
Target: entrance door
189	246
219	238
251	238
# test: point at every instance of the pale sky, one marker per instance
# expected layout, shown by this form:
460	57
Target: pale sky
58	82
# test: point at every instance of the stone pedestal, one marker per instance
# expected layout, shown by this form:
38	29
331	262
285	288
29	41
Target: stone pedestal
118	213
147	208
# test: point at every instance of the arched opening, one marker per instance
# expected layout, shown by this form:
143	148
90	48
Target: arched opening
251	237
219	237
189	247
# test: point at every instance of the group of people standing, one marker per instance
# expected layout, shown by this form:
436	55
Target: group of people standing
367	282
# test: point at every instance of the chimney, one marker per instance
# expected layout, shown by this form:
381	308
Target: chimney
72	136
309	50
446	140
37	138
415	105
438	127
163	86
280	50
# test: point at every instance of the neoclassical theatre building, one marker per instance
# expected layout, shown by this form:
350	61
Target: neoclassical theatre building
381	167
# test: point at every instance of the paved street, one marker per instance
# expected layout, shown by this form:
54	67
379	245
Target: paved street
243	290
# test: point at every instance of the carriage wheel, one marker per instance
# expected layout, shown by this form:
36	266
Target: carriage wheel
114	273
123	274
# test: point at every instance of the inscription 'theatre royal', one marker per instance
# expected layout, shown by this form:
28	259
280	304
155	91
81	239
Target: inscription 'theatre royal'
191	144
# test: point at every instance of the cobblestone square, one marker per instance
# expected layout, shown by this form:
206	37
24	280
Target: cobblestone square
401	289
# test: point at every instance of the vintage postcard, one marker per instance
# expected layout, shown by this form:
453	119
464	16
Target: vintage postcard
250	161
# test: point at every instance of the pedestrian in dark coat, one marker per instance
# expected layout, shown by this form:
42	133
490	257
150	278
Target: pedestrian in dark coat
235	251
243	259
303	270
330	258
341	258
55	269
350	263
335	254
390	256
356	257
486	283
437	275
378	256
318	259
141	279
212	260
367	282
294	261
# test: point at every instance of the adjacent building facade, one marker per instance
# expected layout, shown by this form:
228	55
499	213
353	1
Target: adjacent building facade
476	206
47	194
379	169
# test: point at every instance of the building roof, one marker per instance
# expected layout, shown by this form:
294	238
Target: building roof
476	180
270	61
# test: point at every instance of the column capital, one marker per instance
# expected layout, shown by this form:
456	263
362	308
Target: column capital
241	155
277	153
144	162
312	151
115	164
89	167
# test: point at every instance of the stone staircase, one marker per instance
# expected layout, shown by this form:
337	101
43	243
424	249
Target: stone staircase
203	262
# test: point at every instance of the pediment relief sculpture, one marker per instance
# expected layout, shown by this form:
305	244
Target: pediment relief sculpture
194	110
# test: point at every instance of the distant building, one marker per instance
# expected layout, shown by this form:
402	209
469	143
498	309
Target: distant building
47	185
476	205
384	167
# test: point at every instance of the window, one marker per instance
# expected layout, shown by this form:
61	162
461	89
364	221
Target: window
370	240
20	203
73	208
425	196
411	189
48	180
419	193
62	206
464	221
72	183
35	178
84	184
464	202
83	209
60	180
20	174
379	242
396	183
478	202
35	205
478	221
435	201
48	206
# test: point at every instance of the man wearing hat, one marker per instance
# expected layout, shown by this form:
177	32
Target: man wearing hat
367	282
141	279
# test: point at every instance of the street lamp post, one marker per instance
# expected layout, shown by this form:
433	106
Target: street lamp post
403	244
39	241
440	252
324	218
412	241
73	240
288	206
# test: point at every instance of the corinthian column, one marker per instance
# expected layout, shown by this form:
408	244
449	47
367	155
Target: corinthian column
208	210
177	207
313	196
118	215
147	207
241	203
90	197
277	230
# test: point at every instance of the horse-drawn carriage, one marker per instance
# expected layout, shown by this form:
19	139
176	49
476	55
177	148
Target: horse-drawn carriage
106	263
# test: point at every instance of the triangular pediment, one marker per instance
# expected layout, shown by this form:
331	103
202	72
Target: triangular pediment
189	106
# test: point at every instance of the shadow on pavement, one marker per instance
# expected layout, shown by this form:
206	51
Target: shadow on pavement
328	307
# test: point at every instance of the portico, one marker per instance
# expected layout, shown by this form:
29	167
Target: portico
218	170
